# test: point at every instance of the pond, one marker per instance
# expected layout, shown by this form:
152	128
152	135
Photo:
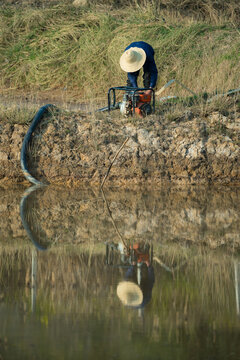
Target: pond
120	274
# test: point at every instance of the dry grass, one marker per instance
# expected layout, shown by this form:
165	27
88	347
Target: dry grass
17	114
78	49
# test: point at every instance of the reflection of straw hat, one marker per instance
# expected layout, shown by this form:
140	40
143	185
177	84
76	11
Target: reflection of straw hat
129	293
132	59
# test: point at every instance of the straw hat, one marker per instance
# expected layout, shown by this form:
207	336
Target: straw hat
132	59
129	293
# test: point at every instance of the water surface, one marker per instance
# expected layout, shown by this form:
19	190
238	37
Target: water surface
61	266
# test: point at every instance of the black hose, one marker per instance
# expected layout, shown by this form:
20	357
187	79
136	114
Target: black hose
36	120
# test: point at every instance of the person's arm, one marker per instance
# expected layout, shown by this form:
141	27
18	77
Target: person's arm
133	78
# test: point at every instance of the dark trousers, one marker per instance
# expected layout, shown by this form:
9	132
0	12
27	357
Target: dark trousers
146	80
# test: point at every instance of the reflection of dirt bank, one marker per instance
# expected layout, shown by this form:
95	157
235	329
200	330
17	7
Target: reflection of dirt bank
186	216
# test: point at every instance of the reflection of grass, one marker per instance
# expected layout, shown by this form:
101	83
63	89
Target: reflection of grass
59	266
74	280
14	258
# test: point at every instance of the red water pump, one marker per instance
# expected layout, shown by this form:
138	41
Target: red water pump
135	101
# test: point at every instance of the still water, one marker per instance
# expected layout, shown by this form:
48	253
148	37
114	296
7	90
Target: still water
134	274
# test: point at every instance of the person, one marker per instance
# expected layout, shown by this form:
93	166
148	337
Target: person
137	55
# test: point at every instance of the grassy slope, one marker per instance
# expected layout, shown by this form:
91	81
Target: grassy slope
79	48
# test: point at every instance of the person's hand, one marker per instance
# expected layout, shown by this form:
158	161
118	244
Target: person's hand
148	92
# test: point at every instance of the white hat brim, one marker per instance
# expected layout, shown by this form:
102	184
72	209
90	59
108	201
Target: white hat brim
132	67
129	293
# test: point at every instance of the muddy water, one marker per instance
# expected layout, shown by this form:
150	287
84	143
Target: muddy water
68	291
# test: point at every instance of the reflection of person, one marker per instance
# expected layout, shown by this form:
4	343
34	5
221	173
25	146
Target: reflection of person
137	55
136	290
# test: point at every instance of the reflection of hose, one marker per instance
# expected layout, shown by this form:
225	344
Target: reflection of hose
25	221
36	120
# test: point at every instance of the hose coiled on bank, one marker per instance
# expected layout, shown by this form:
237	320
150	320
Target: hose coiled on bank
36	120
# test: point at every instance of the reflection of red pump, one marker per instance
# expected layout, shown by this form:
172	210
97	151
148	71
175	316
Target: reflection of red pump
137	253
141	254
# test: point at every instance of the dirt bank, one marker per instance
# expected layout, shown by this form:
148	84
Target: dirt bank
77	149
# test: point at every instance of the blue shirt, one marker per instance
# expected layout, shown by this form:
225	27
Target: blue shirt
149	65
